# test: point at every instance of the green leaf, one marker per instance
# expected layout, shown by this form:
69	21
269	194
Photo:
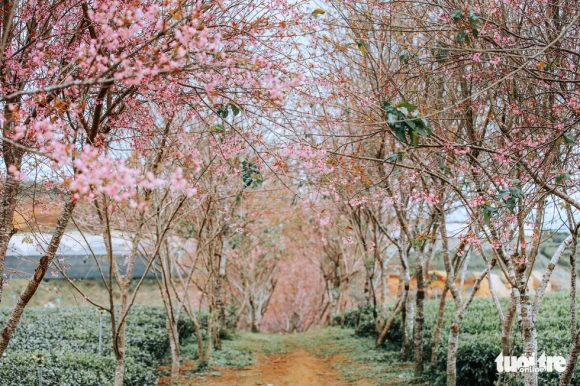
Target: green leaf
511	203
414	137
404	57
456	15
392	118
562	177
398	156
486	217
473	18
427	126
569	139
235	109
488	211
362	46
410	107
318	11
462	36
218	128
400	133
251	175
516	192
222	111
440	52
419	130
475	32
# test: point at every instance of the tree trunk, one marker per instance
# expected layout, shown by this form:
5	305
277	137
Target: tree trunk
120	354
405	347
219	292
530	340
440	316
119	369
383	335
452	344
12	156
506	327
36	279
409	323
566	377
203	354
7	208
419	317
175	354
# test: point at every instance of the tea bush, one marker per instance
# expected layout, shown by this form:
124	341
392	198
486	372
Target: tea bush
480	339
68	339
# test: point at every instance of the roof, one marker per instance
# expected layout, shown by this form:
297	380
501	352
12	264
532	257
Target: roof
72	243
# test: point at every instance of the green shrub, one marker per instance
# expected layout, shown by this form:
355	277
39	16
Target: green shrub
68	338
480	339
19	368
361	319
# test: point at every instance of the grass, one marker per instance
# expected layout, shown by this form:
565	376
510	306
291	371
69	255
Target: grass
50	290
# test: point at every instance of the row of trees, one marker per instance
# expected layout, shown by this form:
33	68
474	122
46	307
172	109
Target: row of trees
148	121
449	111
374	123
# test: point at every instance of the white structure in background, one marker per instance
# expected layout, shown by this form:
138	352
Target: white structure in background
75	255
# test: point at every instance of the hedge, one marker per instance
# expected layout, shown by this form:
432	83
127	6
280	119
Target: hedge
68	338
480	339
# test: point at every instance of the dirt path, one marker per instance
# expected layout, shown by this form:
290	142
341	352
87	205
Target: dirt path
298	368
322	357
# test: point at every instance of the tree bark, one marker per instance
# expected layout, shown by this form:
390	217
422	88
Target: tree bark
220	258
36	279
419	317
440	316
175	352
120	357
530	340
383	335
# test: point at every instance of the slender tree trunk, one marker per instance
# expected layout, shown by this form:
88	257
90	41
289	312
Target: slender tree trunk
219	291
409	323
405	347
453	340
203	354
120	356
383	335
438	327
253	315
566	377
36	279
175	352
7	207
419	316
12	155
530	340
124	309
506	327
452	344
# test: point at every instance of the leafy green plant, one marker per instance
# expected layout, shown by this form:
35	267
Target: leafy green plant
406	122
67	338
